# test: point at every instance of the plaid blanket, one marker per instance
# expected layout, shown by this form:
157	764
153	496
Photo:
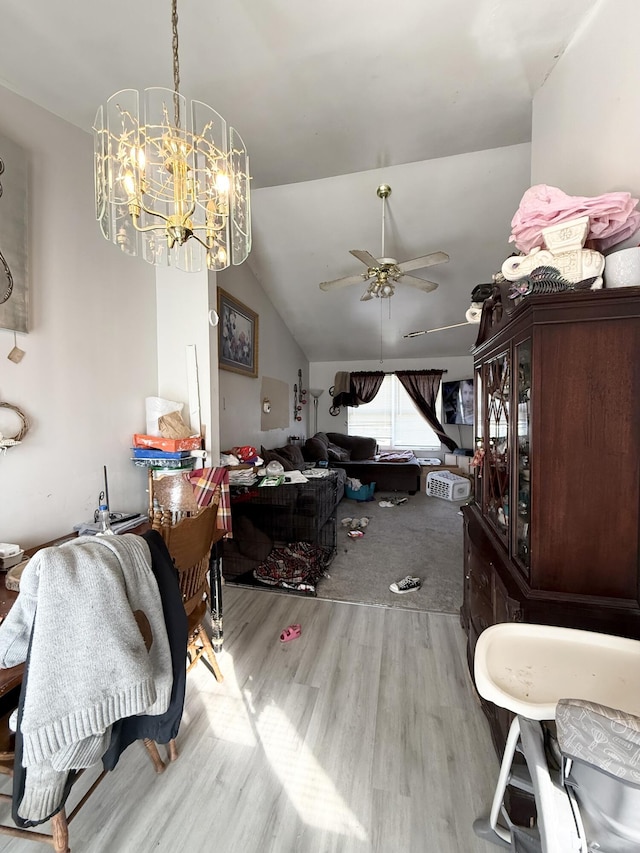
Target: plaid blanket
298	565
206	482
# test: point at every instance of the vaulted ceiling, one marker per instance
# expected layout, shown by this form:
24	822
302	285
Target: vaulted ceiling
332	99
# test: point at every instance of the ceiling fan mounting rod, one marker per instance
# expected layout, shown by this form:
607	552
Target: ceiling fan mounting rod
383	192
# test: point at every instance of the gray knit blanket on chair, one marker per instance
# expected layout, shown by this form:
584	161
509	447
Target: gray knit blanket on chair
77	623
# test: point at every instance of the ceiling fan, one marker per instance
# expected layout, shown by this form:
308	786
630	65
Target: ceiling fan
383	273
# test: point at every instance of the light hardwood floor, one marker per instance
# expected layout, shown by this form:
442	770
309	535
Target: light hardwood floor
362	736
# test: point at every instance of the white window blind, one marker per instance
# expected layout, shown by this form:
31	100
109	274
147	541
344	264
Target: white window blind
393	420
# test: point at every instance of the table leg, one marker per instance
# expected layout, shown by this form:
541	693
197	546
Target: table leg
215	576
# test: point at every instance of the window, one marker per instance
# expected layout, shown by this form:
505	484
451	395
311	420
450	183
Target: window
393	420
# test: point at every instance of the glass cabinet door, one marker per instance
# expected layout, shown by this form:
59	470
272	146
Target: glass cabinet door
523	455
497	380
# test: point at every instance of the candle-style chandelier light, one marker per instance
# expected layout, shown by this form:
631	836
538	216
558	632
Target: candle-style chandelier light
172	184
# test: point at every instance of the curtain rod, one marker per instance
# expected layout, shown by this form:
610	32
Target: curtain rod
393	372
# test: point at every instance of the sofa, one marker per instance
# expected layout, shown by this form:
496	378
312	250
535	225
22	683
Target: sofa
358	456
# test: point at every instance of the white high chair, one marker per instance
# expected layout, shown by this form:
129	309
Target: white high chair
527	669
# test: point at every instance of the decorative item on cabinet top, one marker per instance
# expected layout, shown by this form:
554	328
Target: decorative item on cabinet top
611	219
565	262
622	269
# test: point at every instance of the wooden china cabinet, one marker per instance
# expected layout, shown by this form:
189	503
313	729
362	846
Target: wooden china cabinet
552	536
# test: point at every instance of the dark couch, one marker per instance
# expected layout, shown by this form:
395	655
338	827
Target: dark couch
357	456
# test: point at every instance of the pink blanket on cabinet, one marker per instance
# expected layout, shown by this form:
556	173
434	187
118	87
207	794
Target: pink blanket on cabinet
612	217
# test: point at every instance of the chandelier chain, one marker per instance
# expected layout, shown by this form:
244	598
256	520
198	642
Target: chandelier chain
176	62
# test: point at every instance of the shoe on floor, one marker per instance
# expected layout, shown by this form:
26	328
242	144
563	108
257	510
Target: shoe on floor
290	633
407	584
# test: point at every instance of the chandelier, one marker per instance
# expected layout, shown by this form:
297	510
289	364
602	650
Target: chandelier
172	184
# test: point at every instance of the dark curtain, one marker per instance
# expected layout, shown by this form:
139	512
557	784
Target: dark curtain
422	386
365	385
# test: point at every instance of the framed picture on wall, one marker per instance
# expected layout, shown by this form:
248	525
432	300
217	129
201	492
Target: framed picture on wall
237	335
14	281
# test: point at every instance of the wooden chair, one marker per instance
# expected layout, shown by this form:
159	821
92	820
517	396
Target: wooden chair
189	542
59	839
10	681
10	686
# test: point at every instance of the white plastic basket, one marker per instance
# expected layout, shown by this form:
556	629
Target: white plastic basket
450	487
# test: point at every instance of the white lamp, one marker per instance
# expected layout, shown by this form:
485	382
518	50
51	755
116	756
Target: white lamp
315	393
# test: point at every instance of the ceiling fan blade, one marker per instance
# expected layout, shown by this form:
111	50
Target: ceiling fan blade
420	283
342	282
366	257
415	334
422	263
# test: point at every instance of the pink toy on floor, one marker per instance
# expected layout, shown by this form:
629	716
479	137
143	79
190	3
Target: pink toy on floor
290	633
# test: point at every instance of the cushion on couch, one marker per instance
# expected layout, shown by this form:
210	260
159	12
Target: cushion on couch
360	446
315	449
275	456
293	453
338	454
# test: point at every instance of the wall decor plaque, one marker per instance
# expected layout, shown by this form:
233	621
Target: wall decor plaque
14	285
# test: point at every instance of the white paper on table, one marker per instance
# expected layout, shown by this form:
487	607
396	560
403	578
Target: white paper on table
295	477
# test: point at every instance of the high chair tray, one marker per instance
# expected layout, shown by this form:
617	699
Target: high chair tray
527	669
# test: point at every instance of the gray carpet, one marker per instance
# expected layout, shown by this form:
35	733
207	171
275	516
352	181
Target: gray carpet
422	537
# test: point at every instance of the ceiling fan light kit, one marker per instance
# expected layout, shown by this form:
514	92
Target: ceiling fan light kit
383	273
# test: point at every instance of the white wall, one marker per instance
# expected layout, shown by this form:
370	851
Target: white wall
586	117
322	375
183	304
279	357
91	354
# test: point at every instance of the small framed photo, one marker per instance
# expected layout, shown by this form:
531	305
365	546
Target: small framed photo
237	335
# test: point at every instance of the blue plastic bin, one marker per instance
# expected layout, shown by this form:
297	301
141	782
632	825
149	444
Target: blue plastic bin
364	493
